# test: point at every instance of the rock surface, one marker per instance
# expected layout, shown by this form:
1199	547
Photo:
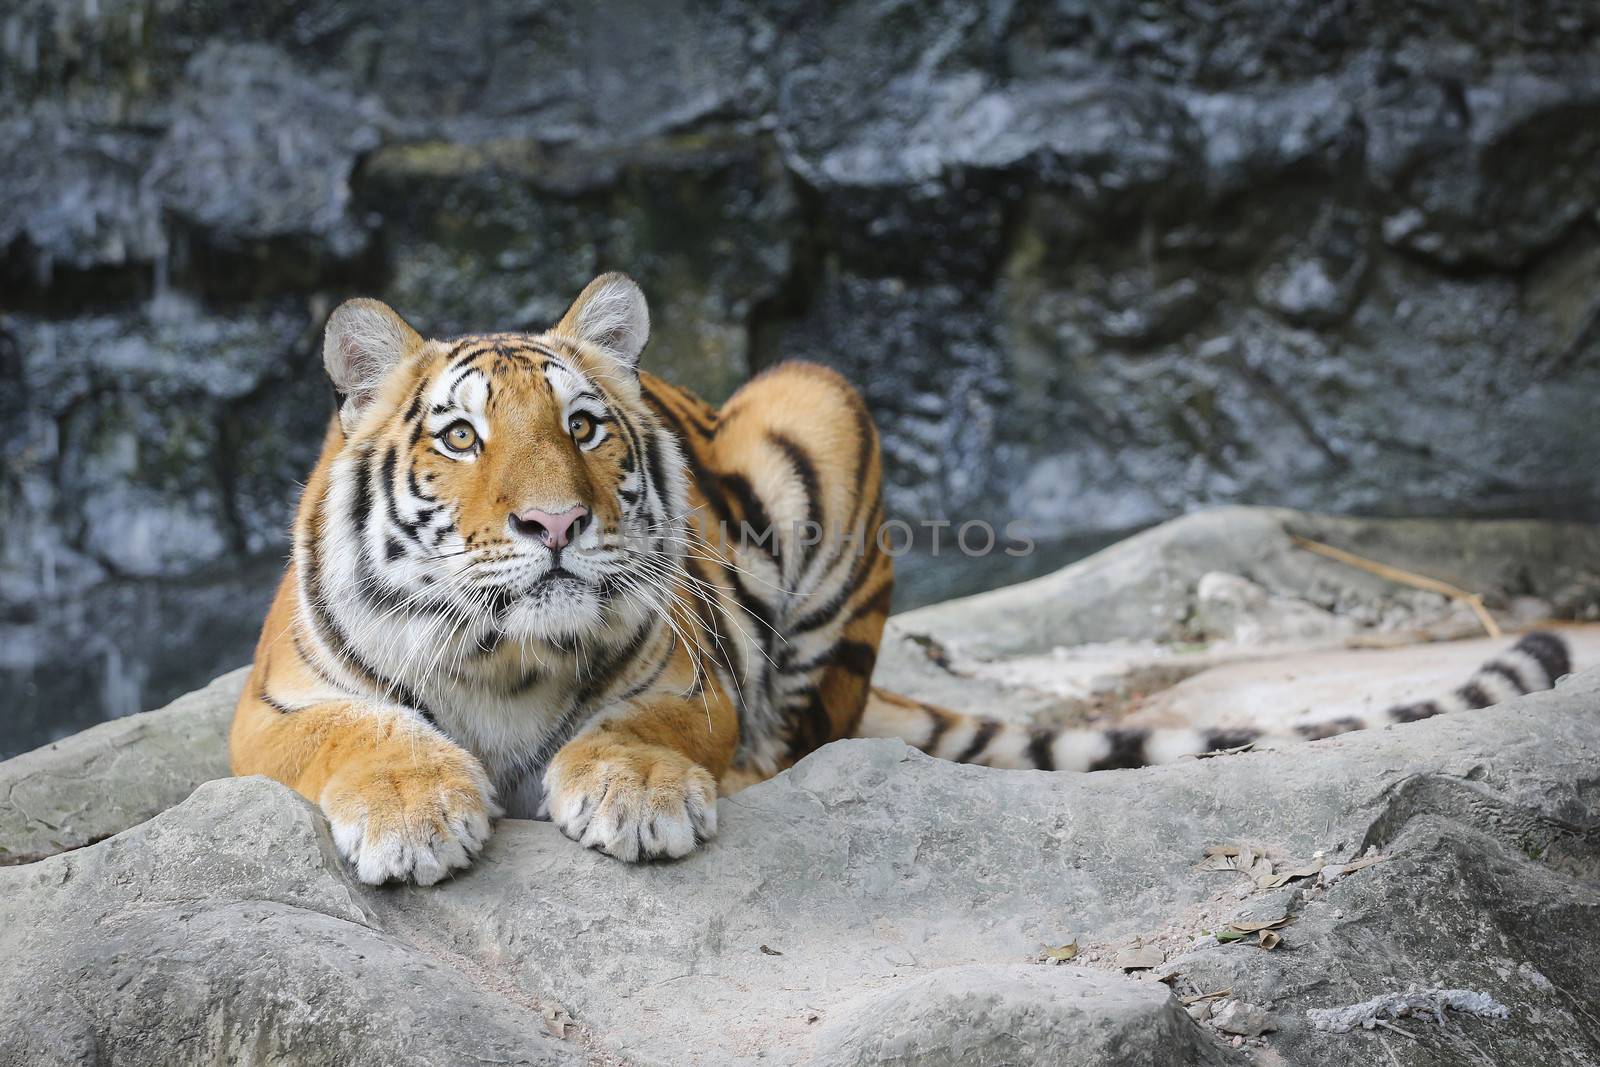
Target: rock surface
871	905
1093	265
1321	686
901	901
94	784
232	937
1103	633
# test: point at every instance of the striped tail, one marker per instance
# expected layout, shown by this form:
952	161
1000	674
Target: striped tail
1535	662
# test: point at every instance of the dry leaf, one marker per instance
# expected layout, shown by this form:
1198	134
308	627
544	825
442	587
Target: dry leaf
1335	871
1285	877
556	1020
1140	959
1262	928
1246	859
1062	953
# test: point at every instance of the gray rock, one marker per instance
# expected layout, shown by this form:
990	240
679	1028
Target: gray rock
258	149
115	775
1421	1003
904	915
1011	651
1016	1014
1231	608
225	932
130	424
906	898
1239	1017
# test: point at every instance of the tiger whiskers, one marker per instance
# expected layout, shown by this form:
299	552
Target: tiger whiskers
650	567
696	651
709	591
689	538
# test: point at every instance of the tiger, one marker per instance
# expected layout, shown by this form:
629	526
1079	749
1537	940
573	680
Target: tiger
519	584
528	578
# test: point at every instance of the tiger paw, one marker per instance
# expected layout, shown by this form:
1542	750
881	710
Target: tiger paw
630	800
416	817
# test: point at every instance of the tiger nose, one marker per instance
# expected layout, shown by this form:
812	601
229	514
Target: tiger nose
554	530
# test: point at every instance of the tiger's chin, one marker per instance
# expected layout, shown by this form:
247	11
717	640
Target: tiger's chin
558	611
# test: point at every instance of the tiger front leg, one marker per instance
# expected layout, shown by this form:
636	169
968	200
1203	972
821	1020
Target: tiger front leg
403	802
641	783
416	809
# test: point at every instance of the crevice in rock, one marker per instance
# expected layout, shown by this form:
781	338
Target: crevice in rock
1470	803
23	859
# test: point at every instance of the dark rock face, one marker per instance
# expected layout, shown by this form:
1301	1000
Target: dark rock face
1093	264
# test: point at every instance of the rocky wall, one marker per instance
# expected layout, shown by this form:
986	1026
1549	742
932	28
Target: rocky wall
1094	264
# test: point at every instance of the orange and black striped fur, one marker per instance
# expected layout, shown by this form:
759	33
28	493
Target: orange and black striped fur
528	577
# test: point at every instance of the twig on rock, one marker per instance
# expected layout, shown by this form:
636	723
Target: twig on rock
1395	574
1416	1003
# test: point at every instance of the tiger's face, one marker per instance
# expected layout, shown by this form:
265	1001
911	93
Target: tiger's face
515	481
525	458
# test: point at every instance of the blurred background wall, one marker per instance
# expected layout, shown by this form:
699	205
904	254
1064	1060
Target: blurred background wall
1094	263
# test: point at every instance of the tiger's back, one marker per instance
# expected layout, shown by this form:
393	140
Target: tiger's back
783	550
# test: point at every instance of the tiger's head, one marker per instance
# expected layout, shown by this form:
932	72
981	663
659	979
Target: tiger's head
511	481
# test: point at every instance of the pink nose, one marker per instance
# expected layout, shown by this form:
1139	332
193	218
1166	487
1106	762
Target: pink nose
554	530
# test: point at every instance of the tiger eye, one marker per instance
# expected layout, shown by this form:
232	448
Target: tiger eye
459	436
581	425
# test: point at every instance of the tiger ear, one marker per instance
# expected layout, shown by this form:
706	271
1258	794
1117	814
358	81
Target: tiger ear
364	341
610	314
